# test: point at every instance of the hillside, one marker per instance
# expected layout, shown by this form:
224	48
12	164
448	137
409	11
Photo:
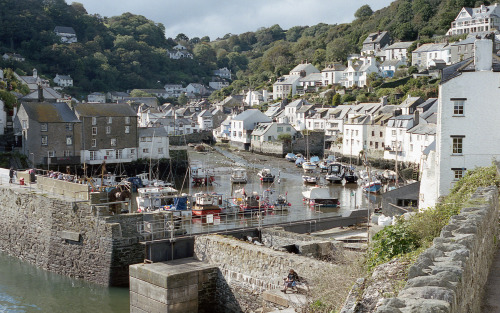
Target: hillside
130	51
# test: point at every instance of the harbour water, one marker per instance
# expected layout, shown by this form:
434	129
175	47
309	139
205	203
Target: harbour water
24	288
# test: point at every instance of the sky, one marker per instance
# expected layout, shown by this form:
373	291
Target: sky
215	18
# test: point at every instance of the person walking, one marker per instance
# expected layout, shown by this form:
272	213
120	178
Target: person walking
11	175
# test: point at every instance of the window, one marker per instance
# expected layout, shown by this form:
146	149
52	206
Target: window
94	130
288	129
67	153
45	140
411	148
160	150
280	129
94	143
118	154
457	144
127	129
381	134
108	130
458	173
373	133
113	142
458	106
43	127
132	151
269	138
69	140
109	120
376	144
51	154
92	155
94	120
127	119
25	124
109	153
69	126
145	150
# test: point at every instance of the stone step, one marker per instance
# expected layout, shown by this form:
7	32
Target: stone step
284	300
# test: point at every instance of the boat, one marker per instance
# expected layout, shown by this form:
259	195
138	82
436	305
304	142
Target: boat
155	198
314	160
147	182
299	161
201	175
239	176
372	186
265	175
281	203
205	204
291	157
252	203
350	175
308	166
310	179
325	164
335	173
320	196
389	175
179	207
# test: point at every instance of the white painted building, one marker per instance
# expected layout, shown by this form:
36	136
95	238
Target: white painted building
153	143
63	80
96	97
358	69
174	90
242	126
270	131
398	51
3	118
475	20
333	74
205	120
432	53
467	120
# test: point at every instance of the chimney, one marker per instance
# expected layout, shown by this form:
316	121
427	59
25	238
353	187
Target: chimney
416	117
35	73
483	54
383	100
40	93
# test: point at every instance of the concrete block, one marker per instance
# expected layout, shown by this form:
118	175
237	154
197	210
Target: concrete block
183	307
69	235
146	304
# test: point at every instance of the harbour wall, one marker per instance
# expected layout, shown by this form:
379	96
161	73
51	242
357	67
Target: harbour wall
72	238
450	275
280	149
199	137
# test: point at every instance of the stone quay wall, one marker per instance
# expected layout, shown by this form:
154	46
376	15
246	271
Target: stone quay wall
71	238
274	148
199	137
450	275
246	270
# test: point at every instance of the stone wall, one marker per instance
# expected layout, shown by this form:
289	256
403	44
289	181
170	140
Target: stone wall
199	137
305	245
275	148
69	238
450	275
246	270
61	187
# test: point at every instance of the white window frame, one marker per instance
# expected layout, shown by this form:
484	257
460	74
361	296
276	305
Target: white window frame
69	140
94	131
44	127
94	120
45	140
94	143
108	130
113	142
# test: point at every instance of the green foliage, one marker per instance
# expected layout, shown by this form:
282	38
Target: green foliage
336	100
406	236
285	137
182	99
363	11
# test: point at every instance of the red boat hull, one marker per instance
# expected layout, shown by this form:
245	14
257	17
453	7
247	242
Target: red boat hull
203	212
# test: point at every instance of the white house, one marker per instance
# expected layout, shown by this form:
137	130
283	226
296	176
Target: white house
223	72
358	69
333	74
153	143
13	56
63	80
426	55
467	133
398	51
242	126
303	70
285	86
270	131
217	85
96	97
205	120
196	89
174	90
290	112
389	67
474	20
66	34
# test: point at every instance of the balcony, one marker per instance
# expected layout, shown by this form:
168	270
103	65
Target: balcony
107	159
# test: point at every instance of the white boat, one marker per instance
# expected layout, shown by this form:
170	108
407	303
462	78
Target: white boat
201	175
239	176
308	166
320	196
335	173
265	175
147	182
160	199
310	179
291	157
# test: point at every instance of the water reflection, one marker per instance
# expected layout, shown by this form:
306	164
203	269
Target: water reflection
25	288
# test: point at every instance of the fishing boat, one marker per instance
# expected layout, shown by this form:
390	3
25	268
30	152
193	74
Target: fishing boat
152	182
291	157
281	203
179	207
252	203
335	173
265	175
350	175
201	175
310	179
205	204
155	198
320	196
325	164
308	166
299	161
372	186
239	176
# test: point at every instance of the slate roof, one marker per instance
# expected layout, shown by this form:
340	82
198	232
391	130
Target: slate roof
65	77
305	108
375	37
152	131
334	67
104	109
400	45
466	65
64	29
313	77
245	114
45	112
393	62
48	94
431	47
423	129
261	128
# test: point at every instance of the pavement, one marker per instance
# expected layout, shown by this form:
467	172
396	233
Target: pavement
491	298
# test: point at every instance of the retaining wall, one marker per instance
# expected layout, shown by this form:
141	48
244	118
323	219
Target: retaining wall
450	275
61	187
69	238
246	270
181	140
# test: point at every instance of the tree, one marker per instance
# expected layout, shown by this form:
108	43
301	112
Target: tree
363	11
181	37
336	99
182	99
139	93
